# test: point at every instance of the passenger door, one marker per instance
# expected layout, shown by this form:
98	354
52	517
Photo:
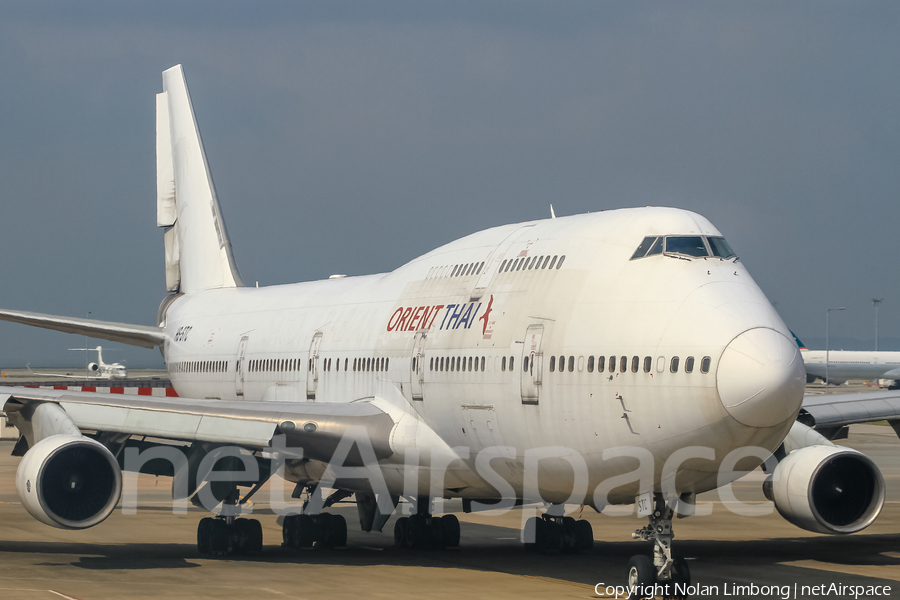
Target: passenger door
532	364
312	375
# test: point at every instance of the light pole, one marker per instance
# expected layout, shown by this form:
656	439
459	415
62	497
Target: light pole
827	323
875	303
87	356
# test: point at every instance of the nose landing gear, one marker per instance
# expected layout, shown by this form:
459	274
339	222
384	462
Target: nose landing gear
671	573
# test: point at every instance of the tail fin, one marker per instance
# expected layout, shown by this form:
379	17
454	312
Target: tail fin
198	252
800	344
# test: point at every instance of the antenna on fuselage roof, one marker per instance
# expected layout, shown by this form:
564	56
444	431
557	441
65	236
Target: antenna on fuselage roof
552	214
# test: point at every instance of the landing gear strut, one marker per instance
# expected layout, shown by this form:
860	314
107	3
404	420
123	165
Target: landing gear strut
664	569
553	533
423	530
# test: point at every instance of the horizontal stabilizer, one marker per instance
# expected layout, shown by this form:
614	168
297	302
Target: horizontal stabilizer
145	336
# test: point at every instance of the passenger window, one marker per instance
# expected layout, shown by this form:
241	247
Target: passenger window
561	259
519	262
470	363
704	364
612	364
503	364
525	365
623	364
635	362
552	364
580	364
511	361
482	363
552	262
674	366
689	364
648	362
661	364
346	361
601	363
502	266
590	364
571	364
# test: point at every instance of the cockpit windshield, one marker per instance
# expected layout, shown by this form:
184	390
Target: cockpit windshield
693	246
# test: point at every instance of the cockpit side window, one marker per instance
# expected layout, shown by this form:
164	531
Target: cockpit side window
644	247
720	247
689	245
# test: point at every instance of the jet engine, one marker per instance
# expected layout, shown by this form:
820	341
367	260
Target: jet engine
93	367
69	482
827	489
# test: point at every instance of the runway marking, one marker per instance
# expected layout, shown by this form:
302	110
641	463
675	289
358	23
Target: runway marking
61	595
875	571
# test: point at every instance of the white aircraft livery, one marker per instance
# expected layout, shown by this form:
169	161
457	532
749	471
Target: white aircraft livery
619	357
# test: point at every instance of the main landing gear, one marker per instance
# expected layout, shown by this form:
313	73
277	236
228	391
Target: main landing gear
319	529
670	572
423	530
553	533
227	533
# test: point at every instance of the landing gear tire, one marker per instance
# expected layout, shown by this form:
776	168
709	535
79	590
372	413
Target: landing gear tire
324	530
333	531
681	579
584	536
400	532
203	535
641	576
450	531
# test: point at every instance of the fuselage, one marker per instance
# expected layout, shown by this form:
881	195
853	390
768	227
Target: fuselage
546	334
843	365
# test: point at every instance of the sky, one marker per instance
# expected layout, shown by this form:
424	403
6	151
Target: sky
350	137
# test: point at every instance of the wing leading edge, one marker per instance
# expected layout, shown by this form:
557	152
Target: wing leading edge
145	336
317	428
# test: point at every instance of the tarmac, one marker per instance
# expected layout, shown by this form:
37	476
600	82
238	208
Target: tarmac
152	554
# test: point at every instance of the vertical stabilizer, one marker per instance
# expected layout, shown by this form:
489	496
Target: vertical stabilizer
198	252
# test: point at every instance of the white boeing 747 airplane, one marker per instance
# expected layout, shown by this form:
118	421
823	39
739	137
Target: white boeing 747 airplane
620	357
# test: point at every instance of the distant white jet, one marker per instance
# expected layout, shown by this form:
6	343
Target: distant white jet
844	365
105	371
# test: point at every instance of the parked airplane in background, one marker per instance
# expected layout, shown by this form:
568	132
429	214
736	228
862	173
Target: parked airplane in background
581	359
106	371
844	365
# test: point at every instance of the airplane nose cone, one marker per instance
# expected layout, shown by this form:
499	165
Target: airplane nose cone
761	378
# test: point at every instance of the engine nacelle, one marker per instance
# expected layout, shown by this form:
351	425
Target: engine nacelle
93	367
69	482
827	489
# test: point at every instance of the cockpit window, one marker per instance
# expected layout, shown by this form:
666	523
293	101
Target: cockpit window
697	246
642	249
689	245
720	247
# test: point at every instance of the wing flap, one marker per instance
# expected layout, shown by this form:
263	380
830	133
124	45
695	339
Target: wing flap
145	336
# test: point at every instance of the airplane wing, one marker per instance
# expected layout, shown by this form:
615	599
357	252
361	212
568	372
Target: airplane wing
829	412
145	336
317	428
